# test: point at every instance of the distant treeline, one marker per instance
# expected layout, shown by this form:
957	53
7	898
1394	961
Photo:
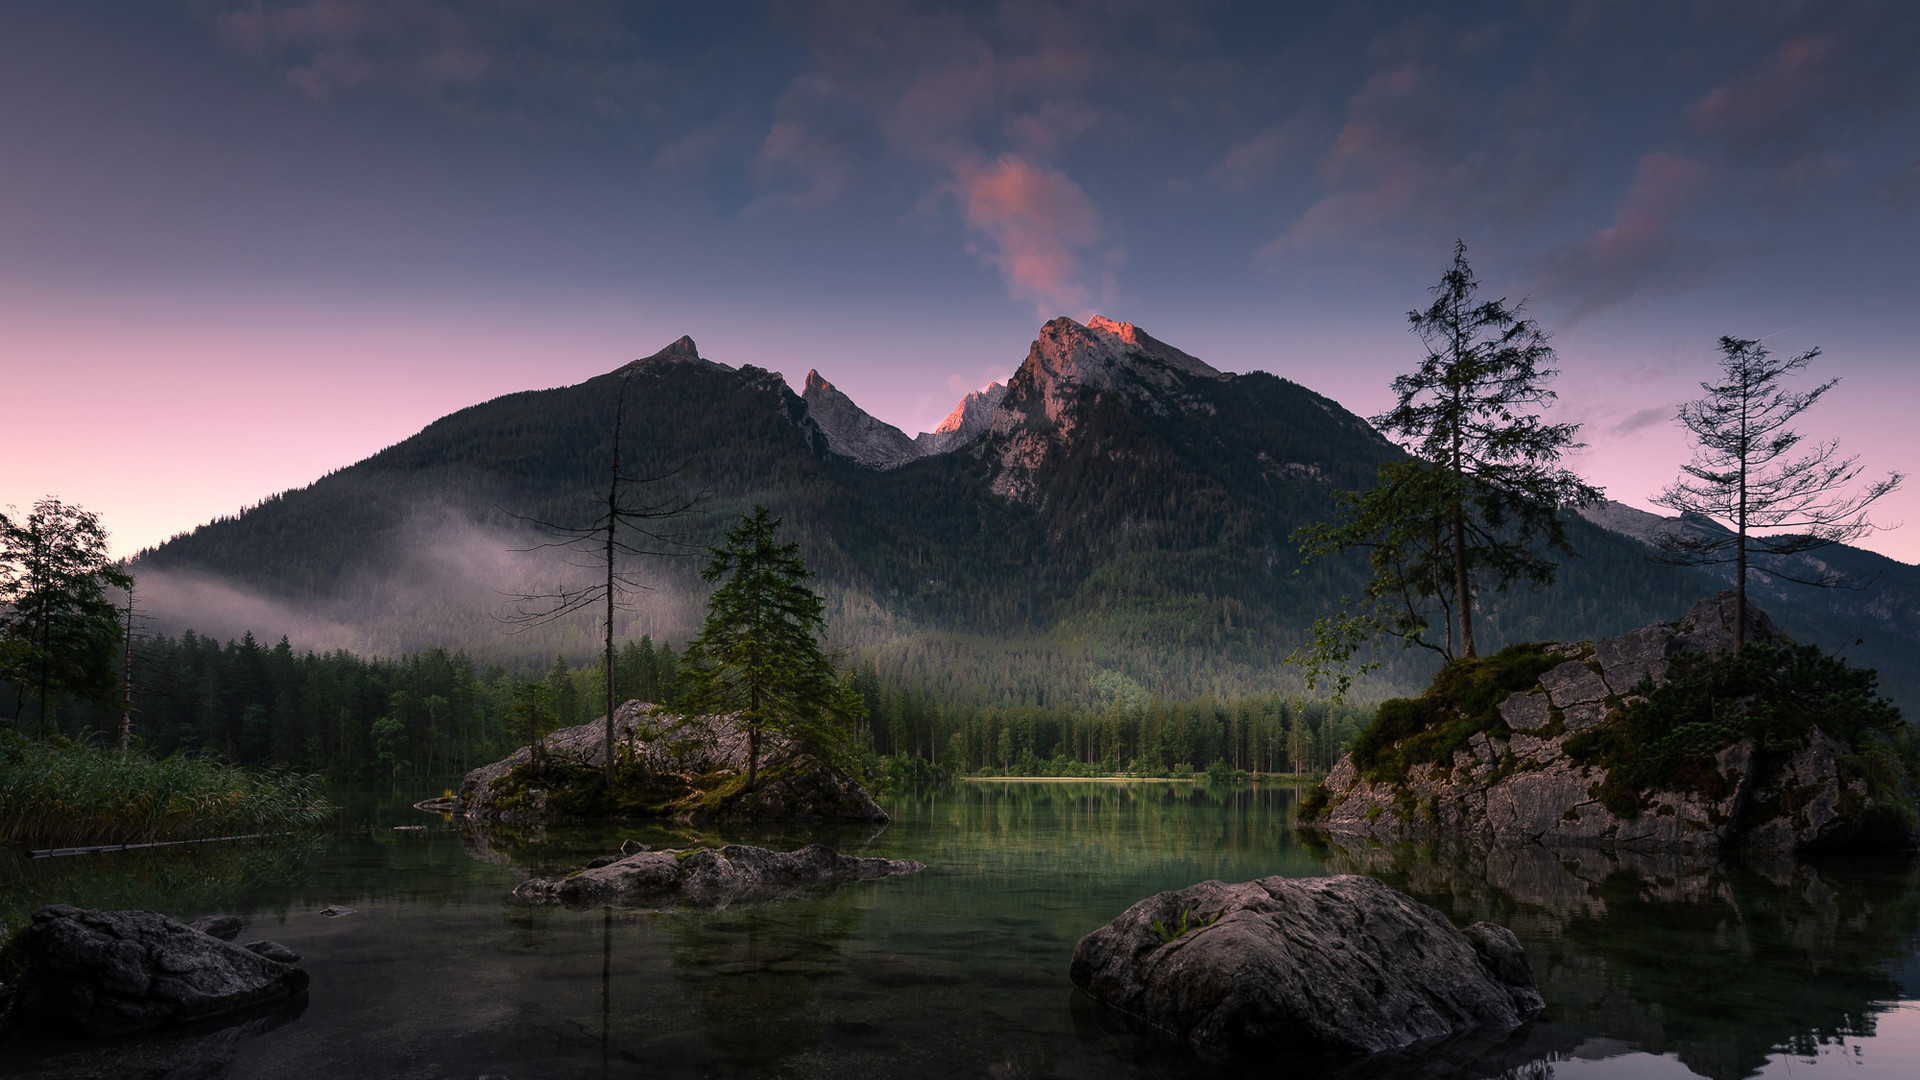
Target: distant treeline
432	713
1266	733
438	713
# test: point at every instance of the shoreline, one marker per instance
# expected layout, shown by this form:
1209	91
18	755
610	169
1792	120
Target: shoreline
1195	780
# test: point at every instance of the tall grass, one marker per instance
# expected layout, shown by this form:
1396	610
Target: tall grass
78	795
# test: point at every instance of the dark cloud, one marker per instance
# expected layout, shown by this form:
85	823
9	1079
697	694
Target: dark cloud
1643	245
515	58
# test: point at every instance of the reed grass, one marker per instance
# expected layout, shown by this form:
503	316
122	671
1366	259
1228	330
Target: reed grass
79	795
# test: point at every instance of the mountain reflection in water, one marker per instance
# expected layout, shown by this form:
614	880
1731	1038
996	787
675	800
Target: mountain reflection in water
1650	965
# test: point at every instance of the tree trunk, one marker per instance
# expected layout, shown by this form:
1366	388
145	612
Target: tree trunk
753	742
1460	585
126	684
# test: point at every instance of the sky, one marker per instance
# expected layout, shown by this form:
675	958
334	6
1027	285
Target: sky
243	244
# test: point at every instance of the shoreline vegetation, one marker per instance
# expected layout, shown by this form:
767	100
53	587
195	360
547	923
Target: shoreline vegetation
67	794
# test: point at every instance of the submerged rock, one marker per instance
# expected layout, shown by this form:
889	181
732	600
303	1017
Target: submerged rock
710	877
1319	967
1519	783
115	972
224	927
693	768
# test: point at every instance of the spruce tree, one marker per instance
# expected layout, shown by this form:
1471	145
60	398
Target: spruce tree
759	652
59	630
1482	494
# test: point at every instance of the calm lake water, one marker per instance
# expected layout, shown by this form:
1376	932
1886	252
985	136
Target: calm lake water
1650	968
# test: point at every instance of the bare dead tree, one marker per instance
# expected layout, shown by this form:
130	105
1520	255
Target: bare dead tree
1742	476
131	613
623	530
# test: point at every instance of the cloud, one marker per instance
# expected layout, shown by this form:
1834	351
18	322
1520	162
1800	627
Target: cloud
1038	226
1642	245
1391	151
811	152
504	59
1645	418
1751	106
1252	162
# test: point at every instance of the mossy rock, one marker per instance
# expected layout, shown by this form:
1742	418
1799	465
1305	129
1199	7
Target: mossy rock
1463	701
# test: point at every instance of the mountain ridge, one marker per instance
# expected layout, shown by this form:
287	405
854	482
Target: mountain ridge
1118	514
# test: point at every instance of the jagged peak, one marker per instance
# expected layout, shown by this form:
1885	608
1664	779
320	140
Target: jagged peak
851	431
681	351
1106	353
977	406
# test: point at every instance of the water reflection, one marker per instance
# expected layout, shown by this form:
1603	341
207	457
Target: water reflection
1647	963
1720	965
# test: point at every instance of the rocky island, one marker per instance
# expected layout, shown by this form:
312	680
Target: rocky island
710	877
1662	739
688	768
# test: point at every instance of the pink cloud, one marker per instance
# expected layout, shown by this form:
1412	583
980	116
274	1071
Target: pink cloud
1038	224
1746	107
1641	244
1388	162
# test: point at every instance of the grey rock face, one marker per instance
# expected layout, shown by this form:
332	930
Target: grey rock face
852	432
709	877
1326	966
1519	786
969	420
114	972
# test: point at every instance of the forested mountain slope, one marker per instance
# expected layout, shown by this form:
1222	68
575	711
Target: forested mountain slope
1120	527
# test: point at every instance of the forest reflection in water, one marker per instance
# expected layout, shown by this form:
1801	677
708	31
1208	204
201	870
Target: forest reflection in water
1647	963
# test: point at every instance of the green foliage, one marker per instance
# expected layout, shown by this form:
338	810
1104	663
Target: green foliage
1483	492
1773	695
59	631
444	713
759	652
1220	771
1314	805
1188	923
1463	700
65	794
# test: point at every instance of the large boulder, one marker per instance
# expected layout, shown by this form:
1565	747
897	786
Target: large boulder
1315	968
709	877
115	972
695	766
1518	783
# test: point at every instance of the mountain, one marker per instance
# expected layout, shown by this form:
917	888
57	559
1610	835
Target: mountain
852	433
1872	614
1114	521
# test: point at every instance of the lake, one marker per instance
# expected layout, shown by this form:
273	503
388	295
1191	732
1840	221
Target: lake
1650	967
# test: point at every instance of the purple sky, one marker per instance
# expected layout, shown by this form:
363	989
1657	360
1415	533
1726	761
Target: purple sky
243	244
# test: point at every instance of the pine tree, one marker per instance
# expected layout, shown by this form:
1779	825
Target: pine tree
59	630
759	652
1483	492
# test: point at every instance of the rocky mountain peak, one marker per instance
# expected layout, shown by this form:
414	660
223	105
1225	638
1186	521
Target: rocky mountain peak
1068	361
852	432
967	422
681	351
